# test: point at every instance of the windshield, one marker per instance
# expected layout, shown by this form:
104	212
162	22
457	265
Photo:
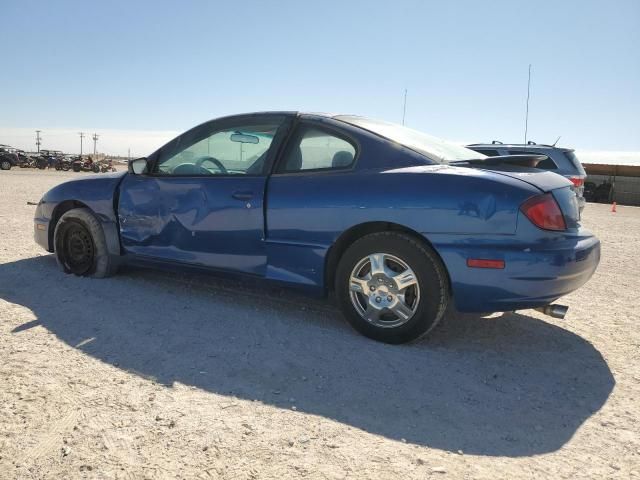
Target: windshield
435	148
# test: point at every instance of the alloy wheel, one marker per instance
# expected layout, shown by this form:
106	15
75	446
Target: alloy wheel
384	290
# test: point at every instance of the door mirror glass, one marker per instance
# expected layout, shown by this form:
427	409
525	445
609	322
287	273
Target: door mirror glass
138	166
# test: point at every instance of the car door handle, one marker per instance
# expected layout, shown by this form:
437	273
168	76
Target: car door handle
242	195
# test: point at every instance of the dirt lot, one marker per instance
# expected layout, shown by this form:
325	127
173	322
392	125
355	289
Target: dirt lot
155	375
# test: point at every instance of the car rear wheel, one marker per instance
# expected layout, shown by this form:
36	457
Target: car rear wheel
5	165
80	245
391	287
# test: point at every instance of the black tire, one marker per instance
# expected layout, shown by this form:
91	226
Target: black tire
431	276
76	167
5	165
80	245
96	169
65	167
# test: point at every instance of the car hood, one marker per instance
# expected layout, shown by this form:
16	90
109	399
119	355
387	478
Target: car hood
88	177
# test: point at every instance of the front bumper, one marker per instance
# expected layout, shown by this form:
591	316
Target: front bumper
41	229
534	275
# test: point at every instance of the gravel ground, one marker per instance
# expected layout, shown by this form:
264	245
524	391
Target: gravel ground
158	375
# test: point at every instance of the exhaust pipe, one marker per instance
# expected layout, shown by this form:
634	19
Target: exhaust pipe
555	310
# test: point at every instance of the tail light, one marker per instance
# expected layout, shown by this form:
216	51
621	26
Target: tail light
544	212
577	181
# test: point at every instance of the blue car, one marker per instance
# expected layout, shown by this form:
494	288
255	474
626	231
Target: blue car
397	224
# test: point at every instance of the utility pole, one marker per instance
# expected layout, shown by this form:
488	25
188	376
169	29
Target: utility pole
404	107
128	154
38	139
81	137
526	118
95	140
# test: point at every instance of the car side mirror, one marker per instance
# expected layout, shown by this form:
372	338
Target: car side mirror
139	166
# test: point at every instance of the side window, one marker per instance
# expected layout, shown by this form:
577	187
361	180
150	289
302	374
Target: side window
240	150
315	149
546	164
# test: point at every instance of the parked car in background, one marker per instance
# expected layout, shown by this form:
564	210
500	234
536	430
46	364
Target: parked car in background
397	223
14	157
562	161
9	157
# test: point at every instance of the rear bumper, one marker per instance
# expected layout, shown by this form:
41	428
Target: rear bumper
534	275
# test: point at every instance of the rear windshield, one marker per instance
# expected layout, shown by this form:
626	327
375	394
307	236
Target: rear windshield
571	156
441	151
546	164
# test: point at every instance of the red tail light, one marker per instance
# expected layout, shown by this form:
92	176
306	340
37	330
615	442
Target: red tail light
544	212
577	181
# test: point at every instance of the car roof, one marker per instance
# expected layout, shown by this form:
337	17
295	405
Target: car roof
287	113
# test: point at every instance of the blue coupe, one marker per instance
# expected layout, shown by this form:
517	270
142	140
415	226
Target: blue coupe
398	224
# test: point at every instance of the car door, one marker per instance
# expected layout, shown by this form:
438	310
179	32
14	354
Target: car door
312	182
201	201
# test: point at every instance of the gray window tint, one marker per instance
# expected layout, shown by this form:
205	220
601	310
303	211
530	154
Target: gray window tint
315	149
238	150
546	164
489	153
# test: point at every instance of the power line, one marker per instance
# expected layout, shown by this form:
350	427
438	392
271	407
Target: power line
81	137
38	139
95	140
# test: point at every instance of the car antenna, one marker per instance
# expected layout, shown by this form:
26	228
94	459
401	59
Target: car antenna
557	140
404	106
526	117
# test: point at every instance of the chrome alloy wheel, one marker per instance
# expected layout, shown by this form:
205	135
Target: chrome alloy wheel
384	290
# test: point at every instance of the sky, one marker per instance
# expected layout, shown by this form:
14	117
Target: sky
140	72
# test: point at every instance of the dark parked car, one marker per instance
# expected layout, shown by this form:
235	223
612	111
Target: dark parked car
562	161
13	157
397	223
9	157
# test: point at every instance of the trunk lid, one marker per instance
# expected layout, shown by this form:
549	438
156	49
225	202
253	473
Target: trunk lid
542	179
545	181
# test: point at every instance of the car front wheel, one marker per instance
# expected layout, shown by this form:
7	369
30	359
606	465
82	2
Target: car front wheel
5	165
392	287
80	245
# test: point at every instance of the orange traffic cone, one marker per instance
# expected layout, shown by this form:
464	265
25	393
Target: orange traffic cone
613	207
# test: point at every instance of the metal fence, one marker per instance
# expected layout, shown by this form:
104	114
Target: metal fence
624	190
